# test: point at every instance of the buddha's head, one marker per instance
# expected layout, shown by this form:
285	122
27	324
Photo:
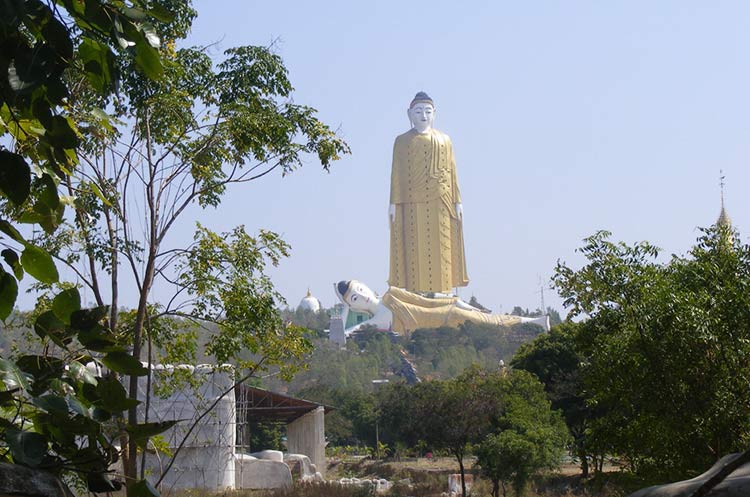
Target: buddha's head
421	112
356	295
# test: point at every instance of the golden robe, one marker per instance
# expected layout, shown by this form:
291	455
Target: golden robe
412	311
427	246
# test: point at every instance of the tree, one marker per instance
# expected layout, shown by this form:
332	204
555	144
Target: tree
528	436
352	422
554	359
554	316
179	141
42	43
166	144
447	415
665	348
46	408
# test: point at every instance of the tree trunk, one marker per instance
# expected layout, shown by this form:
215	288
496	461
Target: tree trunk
131	472
495	488
460	458
584	463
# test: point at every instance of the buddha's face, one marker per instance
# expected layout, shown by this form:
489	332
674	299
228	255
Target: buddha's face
360	297
421	116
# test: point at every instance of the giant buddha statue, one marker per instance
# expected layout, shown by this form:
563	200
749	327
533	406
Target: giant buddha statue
402	311
426	215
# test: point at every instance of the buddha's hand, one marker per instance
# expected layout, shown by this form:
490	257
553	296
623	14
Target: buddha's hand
460	211
392	212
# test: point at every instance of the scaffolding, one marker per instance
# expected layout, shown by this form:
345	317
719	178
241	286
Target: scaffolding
211	443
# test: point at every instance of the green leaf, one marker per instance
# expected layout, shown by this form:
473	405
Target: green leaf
142	489
42	368
48	325
12	376
86	319
124	363
58	37
8	294
81	373
78	407
61	133
134	14
11	258
99	340
53	404
99	194
39	264
160	13
113	397
15	177
98	63
27	448
150	33
48	192
143	431
11	231
147	59
65	303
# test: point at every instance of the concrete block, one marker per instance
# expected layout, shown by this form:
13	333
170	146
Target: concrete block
257	474
269	455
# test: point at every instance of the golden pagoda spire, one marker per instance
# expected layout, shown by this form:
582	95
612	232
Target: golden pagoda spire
723	219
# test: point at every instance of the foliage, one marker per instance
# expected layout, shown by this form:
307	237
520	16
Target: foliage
444	353
554	316
665	348
528	436
555	360
168	144
177	133
349	369
352	423
452	415
49	403
305	318
42	43
47	408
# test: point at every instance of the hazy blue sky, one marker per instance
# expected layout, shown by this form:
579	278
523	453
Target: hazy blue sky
566	117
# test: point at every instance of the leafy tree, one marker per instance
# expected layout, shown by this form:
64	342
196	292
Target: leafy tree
305	318
526	438
49	404
665	348
45	409
446	352
447	415
353	420
178	133
506	457
554	316
554	358
169	144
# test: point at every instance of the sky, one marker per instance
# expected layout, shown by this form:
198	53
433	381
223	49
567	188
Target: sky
566	117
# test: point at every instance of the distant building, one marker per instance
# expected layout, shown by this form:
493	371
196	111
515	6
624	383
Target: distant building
309	303
724	222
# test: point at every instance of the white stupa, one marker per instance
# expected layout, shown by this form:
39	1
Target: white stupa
309	303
